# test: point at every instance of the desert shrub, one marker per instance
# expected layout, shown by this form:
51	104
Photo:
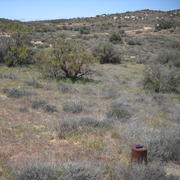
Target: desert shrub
36	104
84	30
169	57
115	38
24	109
174	113
164	24
152	171
133	41
95	123
73	107
9	76
72	127
163	144
18	52
106	53
118	111
67	59
66	88
42	104
82	171
159	78
17	93
36	172
137	132
110	93
66	171
34	83
66	128
50	108
166	145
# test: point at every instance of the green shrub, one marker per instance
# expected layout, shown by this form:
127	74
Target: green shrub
164	24
18	52
67	59
106	53
158	78
115	38
4	45
84	30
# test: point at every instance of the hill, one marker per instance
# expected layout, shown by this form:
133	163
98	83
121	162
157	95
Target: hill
53	126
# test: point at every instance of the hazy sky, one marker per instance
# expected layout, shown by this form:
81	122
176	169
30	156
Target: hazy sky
53	9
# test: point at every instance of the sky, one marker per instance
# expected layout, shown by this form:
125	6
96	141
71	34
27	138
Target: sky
27	10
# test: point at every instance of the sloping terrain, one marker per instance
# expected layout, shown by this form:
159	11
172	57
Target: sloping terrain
92	120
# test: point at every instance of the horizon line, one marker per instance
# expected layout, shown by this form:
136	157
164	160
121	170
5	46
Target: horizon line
75	17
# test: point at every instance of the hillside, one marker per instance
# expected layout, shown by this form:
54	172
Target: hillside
57	127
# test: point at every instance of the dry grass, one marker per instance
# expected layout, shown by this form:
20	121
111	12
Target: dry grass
27	131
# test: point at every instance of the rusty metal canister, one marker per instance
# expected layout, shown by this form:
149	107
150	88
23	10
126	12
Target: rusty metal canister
138	153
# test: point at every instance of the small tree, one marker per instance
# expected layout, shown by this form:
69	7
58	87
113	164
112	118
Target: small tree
67	59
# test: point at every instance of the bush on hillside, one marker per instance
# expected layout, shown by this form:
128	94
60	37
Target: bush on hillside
158	78
4	46
169	57
84	30
106	53
115	38
164	24
18	52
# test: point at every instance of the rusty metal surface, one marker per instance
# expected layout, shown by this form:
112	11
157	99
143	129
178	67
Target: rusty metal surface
138	153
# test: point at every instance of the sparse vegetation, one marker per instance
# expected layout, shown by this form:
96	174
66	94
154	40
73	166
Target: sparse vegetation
86	89
165	146
34	83
66	171
17	93
73	107
140	172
